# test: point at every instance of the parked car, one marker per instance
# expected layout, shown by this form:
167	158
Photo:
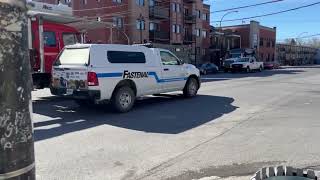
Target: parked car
271	65
247	64
208	68
101	73
227	64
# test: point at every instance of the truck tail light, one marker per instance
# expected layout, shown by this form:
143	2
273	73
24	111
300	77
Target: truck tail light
93	79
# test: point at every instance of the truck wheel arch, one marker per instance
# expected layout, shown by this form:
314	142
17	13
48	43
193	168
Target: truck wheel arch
126	82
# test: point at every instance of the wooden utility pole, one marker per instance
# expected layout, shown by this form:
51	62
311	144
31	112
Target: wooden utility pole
16	129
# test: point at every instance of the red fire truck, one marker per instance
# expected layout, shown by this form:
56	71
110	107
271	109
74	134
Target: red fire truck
50	28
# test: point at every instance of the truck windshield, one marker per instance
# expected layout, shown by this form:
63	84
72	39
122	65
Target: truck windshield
244	60
74	56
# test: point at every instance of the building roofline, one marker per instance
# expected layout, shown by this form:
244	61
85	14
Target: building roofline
284	44
206	5
268	28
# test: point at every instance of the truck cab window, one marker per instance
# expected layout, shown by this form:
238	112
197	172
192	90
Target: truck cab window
49	39
69	38
168	59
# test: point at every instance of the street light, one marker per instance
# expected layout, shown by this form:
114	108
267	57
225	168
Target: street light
298	37
226	15
230	12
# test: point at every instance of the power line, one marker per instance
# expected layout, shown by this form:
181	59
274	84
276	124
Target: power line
107	7
270	14
248	6
309	36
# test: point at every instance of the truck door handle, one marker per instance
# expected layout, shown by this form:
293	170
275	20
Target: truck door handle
166	69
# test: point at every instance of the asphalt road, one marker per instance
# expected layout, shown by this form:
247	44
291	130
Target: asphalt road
238	124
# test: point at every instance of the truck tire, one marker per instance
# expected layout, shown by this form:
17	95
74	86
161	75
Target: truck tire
248	70
123	99
268	172
191	88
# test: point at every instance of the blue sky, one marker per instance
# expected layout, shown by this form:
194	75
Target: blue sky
289	24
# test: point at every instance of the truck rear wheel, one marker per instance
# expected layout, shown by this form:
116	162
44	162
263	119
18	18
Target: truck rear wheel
191	88
123	99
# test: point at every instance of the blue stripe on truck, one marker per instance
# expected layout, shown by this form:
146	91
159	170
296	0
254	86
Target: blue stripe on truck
102	75
154	74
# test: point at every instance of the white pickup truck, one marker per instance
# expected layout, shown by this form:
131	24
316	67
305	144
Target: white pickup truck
247	64
99	73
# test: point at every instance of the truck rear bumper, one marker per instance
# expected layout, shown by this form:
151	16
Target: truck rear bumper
77	94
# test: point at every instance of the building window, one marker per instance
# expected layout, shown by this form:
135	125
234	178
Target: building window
115	1
151	3
261	42
199	14
186	11
117	22
204	34
173	5
178	8
203	52
268	44
140	2
140	24
84	2
205	16
197	32
153	26
176	28
261	56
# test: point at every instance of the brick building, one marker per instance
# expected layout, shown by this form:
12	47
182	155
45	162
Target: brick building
288	54
167	22
221	42
258	37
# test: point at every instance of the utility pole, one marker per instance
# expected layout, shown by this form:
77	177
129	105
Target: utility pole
16	129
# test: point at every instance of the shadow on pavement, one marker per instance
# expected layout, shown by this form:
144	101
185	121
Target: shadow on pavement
265	73
168	114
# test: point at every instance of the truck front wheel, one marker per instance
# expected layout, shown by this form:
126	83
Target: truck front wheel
191	88
248	70
123	99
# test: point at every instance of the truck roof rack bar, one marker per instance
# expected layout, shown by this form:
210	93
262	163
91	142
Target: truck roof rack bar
148	45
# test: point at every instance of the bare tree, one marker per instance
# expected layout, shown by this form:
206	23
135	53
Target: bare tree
314	42
16	129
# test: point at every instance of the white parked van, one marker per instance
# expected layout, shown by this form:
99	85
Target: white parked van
99	73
